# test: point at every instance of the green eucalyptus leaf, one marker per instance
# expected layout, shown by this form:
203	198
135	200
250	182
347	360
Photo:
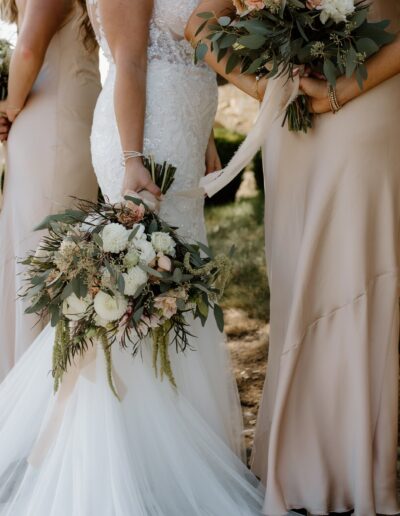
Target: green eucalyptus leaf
224	21
232	63
367	45
351	62
227	41
330	72
219	317
201	51
206	15
252	41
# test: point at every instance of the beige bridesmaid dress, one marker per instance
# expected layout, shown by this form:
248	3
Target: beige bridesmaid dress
48	161
326	438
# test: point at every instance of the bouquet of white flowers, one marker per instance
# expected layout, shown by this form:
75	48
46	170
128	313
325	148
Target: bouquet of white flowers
119	275
275	37
5	57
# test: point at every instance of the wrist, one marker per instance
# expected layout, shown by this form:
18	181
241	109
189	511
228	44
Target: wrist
346	90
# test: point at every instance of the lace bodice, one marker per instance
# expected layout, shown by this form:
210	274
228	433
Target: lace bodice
166	31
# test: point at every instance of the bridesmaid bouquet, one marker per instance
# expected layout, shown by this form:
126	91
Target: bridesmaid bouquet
275	37
118	274
5	57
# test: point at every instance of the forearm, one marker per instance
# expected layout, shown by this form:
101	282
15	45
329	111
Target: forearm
382	66
244	82
130	104
25	65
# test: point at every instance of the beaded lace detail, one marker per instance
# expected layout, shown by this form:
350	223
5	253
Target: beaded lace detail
181	105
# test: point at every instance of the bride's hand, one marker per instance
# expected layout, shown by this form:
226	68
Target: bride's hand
213	162
137	179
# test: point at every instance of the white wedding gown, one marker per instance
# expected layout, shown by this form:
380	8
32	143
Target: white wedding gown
157	452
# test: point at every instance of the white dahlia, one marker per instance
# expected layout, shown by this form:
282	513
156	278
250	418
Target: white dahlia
163	243
74	307
336	10
146	250
134	279
115	238
110	308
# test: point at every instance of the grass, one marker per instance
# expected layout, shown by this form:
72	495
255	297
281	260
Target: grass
241	224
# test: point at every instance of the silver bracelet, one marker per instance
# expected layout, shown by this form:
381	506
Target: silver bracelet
127	155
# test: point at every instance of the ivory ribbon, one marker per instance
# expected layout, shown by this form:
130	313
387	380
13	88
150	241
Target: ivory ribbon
280	92
86	366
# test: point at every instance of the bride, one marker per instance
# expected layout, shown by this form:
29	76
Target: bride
158	452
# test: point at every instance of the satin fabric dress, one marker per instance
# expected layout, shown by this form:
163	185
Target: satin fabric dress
48	161
326	437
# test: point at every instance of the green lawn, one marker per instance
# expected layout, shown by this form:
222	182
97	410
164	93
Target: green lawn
241	224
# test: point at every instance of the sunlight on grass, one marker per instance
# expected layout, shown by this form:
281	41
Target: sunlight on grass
241	224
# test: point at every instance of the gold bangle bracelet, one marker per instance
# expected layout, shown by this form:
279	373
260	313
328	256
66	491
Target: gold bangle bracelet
333	100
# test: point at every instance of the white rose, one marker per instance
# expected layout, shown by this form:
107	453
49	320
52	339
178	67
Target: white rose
134	279
115	238
131	258
163	243
336	10
146	250
110	308
100	322
74	308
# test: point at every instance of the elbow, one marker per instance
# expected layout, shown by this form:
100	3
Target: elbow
26	52
29	51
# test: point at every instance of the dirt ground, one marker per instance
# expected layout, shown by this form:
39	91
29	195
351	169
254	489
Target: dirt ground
248	343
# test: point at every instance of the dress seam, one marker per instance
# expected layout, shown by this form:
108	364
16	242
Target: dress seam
395	272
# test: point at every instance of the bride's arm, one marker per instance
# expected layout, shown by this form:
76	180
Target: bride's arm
126	25
42	19
245	82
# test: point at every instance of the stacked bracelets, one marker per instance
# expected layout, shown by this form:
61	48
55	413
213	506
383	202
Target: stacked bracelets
333	100
127	155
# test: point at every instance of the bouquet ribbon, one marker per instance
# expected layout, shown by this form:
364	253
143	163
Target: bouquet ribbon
86	367
280	93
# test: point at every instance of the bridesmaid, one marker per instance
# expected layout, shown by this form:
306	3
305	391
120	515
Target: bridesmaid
326	439
53	87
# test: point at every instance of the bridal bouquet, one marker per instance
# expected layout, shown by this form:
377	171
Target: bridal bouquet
119	275
5	57
276	37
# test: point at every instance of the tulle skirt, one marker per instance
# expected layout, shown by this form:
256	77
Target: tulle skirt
157	452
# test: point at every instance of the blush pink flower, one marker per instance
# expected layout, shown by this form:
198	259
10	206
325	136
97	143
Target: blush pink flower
164	263
313	4
167	305
255	5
